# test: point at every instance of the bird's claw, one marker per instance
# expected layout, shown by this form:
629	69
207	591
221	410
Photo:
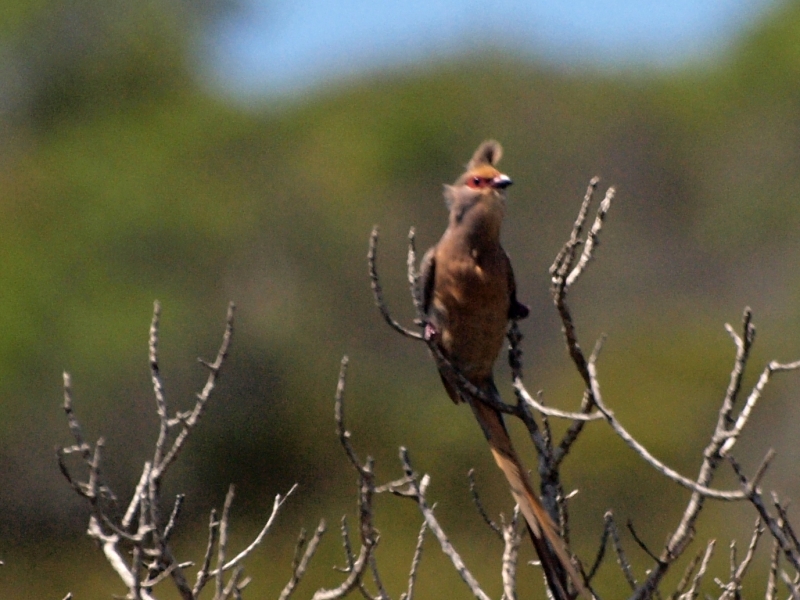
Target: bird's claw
430	332
518	311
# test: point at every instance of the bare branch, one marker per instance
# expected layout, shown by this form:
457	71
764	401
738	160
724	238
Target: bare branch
377	291
755	395
772	581
512	538
197	412
222	544
276	506
341	430
637	447
434	526
348	584
554	412
734	586
473	490
413	275
203	574
412	576
639	541
791	585
301	568
775	526
622	560
173	517
591	238
687	576
692	593
565	258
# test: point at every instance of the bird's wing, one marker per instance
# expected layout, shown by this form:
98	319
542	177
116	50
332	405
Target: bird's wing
427	275
516	309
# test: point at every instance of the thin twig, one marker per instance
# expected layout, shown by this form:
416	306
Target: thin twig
412	575
755	395
690	484
173	517
202	574
734	586
434	526
591	238
691	593
413	275
772	580
640	542
601	550
276	506
197	412
302	566
687	576
473	490
774	525
512	538
377	291
791	585
222	545
622	560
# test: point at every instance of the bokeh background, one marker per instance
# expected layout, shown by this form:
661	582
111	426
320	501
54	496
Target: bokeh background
220	150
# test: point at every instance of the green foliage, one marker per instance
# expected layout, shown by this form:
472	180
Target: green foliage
124	181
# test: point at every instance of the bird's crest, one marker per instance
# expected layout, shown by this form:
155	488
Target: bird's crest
488	153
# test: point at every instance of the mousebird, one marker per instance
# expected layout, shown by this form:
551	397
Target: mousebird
468	296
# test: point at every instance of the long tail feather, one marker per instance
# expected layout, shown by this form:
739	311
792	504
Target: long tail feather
548	544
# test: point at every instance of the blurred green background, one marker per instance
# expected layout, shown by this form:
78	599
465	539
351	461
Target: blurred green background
124	178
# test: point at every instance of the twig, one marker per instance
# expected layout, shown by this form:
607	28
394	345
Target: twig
696	487
473	490
687	576
276	505
173	517
377	291
601	550
413	275
774	525
691	593
791	585
640	542
784	519
434	526
511	541
755	395
554	412
194	416
202	574
622	560
367	489
412	576
734	586
222	544
591	238
302	566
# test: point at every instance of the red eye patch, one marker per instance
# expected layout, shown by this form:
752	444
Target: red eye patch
478	182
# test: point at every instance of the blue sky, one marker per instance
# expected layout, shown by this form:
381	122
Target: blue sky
282	46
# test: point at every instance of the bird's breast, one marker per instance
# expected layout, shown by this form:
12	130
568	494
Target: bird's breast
471	299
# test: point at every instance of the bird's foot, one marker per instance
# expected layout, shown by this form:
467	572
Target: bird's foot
518	311
431	333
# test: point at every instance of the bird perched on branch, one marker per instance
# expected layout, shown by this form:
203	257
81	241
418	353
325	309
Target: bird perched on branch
468	296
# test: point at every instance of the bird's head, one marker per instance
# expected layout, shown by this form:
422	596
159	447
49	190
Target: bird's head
480	185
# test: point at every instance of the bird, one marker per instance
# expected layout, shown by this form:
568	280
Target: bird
468	296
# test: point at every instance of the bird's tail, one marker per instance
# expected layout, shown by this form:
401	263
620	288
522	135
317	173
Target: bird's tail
549	546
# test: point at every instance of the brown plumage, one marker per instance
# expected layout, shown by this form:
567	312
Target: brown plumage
468	296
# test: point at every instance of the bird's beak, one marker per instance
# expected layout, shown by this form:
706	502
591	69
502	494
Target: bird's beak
501	182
